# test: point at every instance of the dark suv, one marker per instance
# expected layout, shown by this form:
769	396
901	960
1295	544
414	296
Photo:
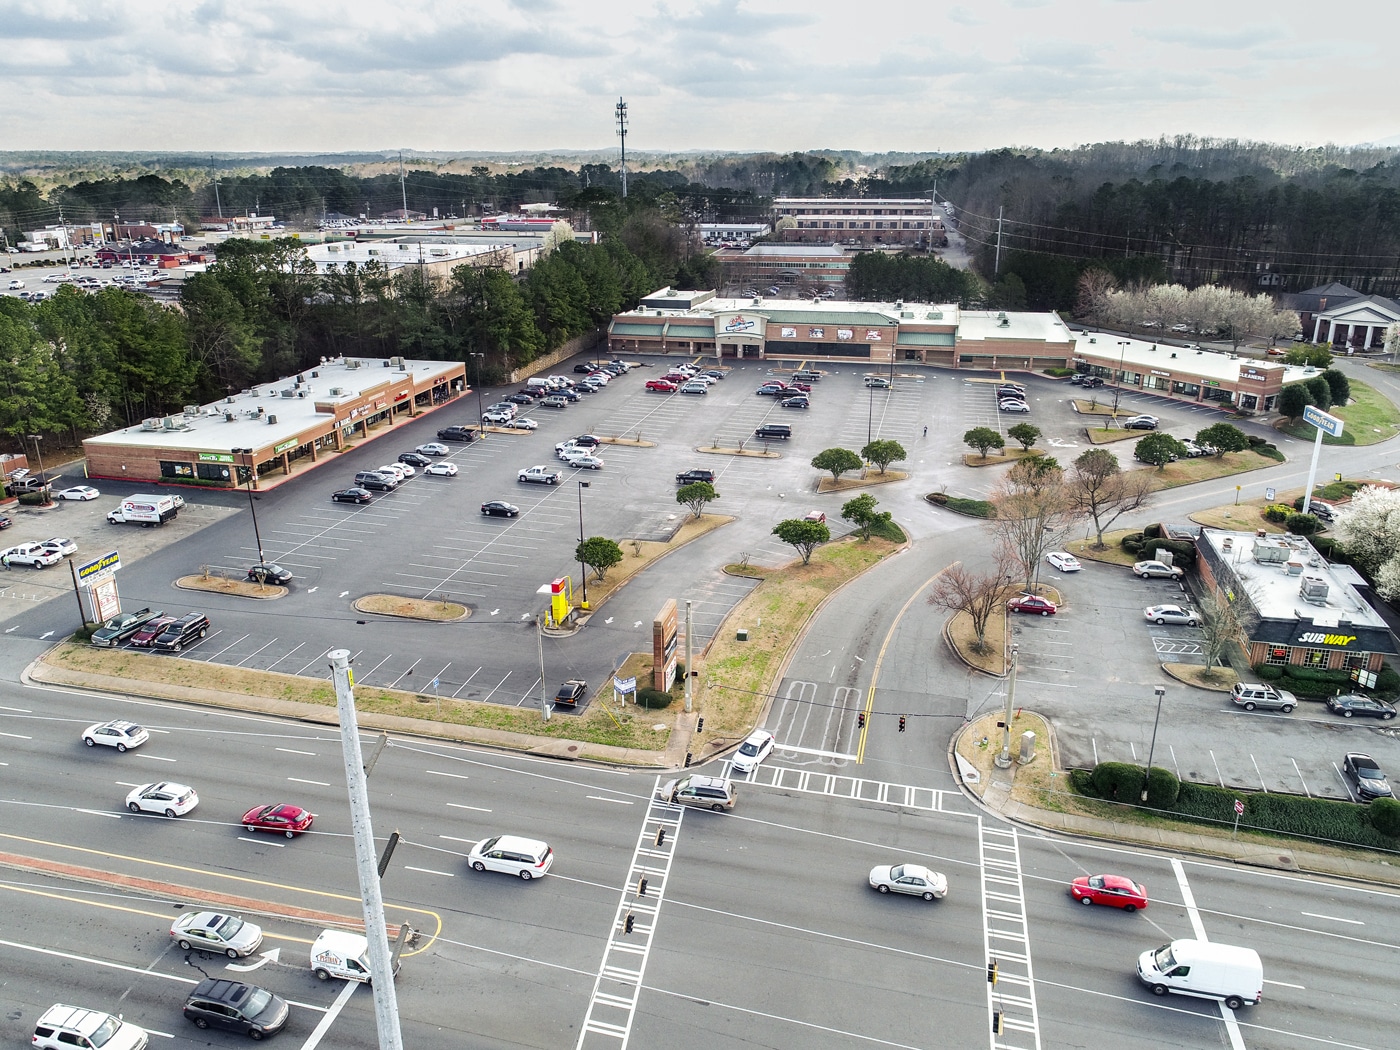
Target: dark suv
457	433
236	1007
269	574
178	634
688	477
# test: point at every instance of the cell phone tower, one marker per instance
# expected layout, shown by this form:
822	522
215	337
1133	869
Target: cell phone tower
622	136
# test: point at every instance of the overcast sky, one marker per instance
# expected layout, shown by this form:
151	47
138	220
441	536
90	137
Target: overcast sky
321	75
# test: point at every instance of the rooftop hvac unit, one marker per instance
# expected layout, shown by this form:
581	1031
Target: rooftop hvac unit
191	410
228	400
301	393
154	423
1313	589
317	375
290	391
397	362
230	417
174	423
337	391
271	421
351	362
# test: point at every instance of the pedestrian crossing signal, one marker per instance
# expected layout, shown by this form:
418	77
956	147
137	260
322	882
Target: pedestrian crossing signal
860	719
901	723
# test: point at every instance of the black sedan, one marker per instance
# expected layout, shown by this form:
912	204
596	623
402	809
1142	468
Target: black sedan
269	574
1348	705
500	508
795	402
520	399
352	496
415	459
1141	423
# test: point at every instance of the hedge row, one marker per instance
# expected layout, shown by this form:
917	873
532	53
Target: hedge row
1376	826
1317	682
976	508
1141	545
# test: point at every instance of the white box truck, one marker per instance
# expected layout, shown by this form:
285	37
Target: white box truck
338	953
145	510
1206	970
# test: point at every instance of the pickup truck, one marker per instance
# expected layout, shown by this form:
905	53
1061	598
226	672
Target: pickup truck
540	474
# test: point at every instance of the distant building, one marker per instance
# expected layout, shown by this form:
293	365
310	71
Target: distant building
765	265
1342	316
161	254
732	234
432	256
912	222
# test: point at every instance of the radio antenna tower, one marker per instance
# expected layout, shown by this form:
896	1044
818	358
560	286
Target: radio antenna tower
622	135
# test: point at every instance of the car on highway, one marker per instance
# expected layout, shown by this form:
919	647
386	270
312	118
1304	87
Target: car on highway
1349	705
587	461
433	448
1141	423
165	796
524	858
757	746
1365	772
705	792
60	545
540	475
499	508
1251	695
448	470
1063	561
118	733
352	495
661	386
62	1027
1115	891
278	817
687	477
35	555
1164	614
121	627
263	573
555	401
78	492
571	692
1033	603
1158	570
236	1007
212	931
801	401
150	631
181	632
913	879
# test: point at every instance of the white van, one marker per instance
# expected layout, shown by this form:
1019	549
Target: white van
1205	970
538	383
337	953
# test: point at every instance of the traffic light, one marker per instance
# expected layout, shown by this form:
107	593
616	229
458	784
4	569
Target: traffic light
860	720
700	724
992	969
901	723
998	1022
628	923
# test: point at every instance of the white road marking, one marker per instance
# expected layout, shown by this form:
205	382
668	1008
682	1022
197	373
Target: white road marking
293	751
312	590
155	758
1285	984
495	612
1332	918
474	809
17	736
344	594
608	620
617	801
262	841
454	776
1232	1026
314	1040
430	871
17	710
315	783
46	634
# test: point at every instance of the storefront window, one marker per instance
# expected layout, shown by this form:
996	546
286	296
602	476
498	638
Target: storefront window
1278	655
1316	657
213	472
169	469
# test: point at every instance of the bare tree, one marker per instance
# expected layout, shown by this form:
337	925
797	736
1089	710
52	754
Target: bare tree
1094	288
1222	622
979	594
1101	491
1032	510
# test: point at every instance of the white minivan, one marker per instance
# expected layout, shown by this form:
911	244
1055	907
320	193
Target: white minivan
1205	970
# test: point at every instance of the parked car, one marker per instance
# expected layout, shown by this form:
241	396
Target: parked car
771	389
694	387
262	573
686	477
212	931
815	515
524	858
414	459
571	692
60	545
442	470
540	475
500	508
1158	570
1141	423
1033	603
520	399
1250	695
78	492
181	632
373	479
118	733
1063	561
35	555
1349	705
121	627
913	879
1013	406
1366	773
796	402
522	423
150	631
1164	614
661	386
352	495
555	401
586	462
432	448
877	382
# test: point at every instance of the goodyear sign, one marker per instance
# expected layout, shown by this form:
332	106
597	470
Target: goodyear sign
109	562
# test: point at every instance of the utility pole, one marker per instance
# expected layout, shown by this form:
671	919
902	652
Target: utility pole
539	644
403	188
218	206
386	1003
689	701
1003	760
622	136
996	268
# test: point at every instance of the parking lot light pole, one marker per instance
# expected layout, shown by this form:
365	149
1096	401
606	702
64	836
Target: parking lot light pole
582	569
252	509
1153	746
1003	760
480	415
39	455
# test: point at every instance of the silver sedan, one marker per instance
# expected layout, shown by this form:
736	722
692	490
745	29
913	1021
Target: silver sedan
914	879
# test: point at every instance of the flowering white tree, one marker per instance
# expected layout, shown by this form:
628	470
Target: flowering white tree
1370	532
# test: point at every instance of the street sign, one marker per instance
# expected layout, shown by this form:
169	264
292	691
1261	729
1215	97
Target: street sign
108	563
1239	808
1328	424
1269	495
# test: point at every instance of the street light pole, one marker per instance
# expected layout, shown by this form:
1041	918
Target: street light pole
252	509
480	420
39	455
1118	387
582	569
1153	747
1003	760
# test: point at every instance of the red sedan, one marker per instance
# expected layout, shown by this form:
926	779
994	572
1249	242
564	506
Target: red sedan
288	819
1113	890
664	386
1033	603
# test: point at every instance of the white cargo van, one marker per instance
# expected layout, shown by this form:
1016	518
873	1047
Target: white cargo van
1206	970
538	383
337	953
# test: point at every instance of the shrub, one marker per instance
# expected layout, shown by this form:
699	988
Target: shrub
1255	440
1132	543
1387	680
976	508
1302	524
1183	551
1121	781
653	699
1059	373
1163	788
1384	814
1277	513
1082	781
1268	672
1271	451
1152	532
941	498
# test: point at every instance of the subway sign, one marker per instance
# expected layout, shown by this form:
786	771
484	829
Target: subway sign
1319	638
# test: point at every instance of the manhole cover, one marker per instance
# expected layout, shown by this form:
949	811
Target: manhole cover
659	726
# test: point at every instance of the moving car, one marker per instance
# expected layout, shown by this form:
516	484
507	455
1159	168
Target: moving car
117	733
755	748
525	858
1205	969
1063	561
1033	603
63	1027
500	508
78	492
236	1007
448	470
280	816
180	633
1348	705
1162	614
714	793
1158	570
1250	695
269	574
339	953
121	627
571	692
540	475
1366	773
352	495
914	879
212	931
432	448
1112	890
166	796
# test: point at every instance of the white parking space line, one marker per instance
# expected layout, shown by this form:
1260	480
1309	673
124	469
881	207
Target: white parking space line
228	647
285	655
467	682
364	677
1301	779
395	683
529	696
492	693
254	652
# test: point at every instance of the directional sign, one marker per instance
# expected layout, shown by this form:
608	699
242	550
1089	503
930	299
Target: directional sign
1328	424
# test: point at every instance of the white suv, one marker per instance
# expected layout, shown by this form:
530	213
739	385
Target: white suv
62	1027
525	858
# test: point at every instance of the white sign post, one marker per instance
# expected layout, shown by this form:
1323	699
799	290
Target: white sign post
1326	424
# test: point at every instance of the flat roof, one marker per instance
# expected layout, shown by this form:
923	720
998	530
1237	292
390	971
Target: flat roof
208	429
983	325
796	249
1146	355
822	311
851	201
394	253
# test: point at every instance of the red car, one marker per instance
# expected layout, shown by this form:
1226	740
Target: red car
280	816
1033	603
151	631
664	386
806	388
1113	890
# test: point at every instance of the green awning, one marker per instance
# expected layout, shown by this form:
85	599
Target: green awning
926	339
636	329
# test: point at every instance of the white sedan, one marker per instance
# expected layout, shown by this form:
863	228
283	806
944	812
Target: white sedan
168	797
61	545
432	448
1163	614
909	878
78	492
1063	561
522	423
752	751
445	469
